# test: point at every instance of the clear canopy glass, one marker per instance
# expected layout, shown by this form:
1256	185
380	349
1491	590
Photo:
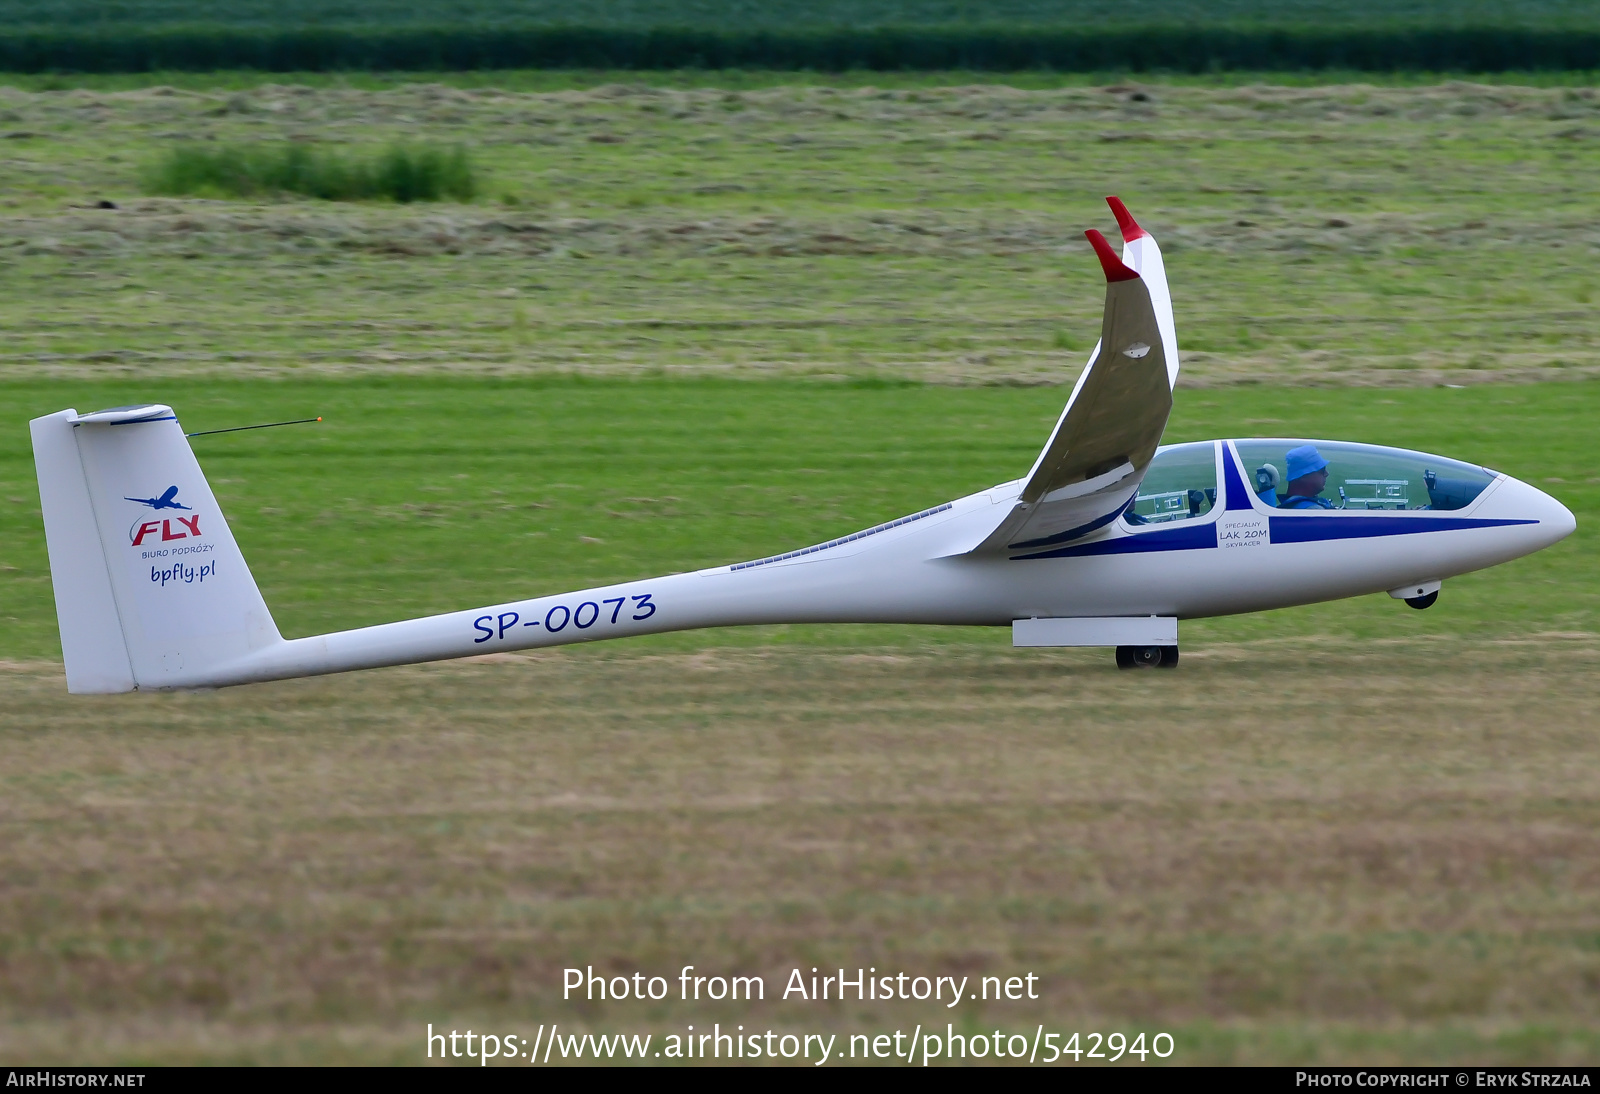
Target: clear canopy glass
1180	485
1362	477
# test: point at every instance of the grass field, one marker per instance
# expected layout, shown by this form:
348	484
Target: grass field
1349	234
1300	851
741	320
421	495
1351	832
536	80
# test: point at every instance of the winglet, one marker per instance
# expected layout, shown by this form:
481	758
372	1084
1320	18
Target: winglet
1129	227
1115	270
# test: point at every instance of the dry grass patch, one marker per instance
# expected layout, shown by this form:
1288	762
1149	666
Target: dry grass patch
1323	851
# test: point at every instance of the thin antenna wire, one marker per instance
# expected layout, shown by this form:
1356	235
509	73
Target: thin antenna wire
241	428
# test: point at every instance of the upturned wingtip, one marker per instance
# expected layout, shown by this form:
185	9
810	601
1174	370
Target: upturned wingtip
1109	262
1125	223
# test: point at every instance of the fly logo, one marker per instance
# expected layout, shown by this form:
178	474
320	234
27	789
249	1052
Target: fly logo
188	528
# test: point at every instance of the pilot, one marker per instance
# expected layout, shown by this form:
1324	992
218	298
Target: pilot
1307	474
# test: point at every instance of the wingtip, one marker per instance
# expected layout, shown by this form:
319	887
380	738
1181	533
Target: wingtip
1109	262
1125	223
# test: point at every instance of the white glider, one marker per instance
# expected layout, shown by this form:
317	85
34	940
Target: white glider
1109	540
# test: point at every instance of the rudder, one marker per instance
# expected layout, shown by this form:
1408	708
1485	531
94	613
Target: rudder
151	588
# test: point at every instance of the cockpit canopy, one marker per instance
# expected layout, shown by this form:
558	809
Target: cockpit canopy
1181	483
1363	476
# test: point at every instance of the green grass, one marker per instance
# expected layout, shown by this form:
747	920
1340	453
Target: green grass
1339	235
546	80
1306	850
423	495
398	174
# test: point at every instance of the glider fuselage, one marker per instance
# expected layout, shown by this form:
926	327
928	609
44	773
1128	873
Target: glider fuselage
1109	539
1241	556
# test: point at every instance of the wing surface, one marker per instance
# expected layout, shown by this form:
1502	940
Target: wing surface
1103	442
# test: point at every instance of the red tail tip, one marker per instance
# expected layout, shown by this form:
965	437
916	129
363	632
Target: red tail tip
1109	262
1125	222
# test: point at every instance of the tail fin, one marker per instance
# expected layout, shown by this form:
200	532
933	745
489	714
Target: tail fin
151	589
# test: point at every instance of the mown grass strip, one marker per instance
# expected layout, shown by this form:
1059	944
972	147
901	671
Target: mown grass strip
1179	48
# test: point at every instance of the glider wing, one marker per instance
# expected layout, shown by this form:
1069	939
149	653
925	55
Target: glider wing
1103	442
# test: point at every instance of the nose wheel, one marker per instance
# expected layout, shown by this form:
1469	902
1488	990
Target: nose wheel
1147	657
1419	596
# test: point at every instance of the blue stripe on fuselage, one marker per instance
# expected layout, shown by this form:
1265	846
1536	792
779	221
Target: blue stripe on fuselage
1313	529
1183	538
1232	475
1075	533
1306	529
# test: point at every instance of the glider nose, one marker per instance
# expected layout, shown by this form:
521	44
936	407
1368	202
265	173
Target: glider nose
1527	502
1561	521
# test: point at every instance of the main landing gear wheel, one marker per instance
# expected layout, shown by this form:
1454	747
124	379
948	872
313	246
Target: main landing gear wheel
1420	602
1147	657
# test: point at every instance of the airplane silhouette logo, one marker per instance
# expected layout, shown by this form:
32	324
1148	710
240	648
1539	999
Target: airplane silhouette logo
168	500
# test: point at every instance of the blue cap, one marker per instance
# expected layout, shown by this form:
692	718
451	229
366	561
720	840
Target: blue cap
1304	460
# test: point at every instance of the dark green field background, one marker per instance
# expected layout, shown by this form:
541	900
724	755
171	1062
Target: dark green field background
786	14
1085	36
